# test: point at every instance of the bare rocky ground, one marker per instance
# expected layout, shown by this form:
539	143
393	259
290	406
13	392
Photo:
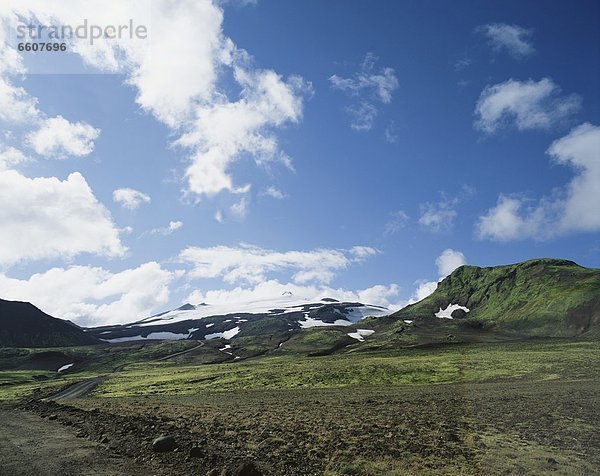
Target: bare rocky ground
487	428
34	446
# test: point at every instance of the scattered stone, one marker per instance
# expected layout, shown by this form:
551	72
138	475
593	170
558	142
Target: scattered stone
53	417
196	452
458	314
247	469
163	444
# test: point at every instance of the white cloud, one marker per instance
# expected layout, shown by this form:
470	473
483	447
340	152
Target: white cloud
437	216
581	150
370	87
363	116
440	216
378	295
16	106
130	198
448	261
240	209
274	192
524	104
219	216
381	84
504	222
424	289
397	221
361	253
391	133
252	264
225	130
49	218
172	227
93	296
513	39
9	157
189	91
59	138
575	208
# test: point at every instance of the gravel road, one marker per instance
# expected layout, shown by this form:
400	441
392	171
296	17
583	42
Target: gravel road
32	446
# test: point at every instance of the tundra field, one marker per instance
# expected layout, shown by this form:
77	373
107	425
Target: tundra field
482	408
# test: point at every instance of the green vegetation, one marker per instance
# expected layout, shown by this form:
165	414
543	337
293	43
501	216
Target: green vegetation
544	297
141	374
478	408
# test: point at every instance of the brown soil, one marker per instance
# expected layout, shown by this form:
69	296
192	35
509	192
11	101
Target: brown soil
546	426
34	446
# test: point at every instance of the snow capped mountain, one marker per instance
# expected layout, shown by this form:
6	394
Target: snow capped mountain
205	321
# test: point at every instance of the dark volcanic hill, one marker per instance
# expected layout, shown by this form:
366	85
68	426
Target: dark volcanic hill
24	325
536	298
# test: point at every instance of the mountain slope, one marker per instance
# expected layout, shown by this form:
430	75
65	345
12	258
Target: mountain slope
260	318
24	325
542	297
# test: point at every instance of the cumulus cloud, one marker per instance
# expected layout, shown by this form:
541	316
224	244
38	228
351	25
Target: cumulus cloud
251	264
219	106
574	208
513	39
446	262
130	198
16	106
93	296
51	218
524	104
10	157
224	130
378	295
56	137
369	86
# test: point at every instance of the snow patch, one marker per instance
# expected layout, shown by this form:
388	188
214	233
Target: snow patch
360	334
447	313
225	335
358	313
310	322
65	367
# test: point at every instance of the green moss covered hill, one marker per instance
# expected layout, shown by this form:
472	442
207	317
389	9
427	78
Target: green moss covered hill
537	298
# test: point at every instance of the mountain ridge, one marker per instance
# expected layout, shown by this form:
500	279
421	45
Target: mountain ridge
545	297
24	325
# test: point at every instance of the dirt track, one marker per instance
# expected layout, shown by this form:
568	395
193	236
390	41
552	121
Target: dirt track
77	390
30	445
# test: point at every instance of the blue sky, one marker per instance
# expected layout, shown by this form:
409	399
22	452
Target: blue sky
357	149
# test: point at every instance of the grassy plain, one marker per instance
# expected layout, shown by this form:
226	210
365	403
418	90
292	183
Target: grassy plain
495	408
